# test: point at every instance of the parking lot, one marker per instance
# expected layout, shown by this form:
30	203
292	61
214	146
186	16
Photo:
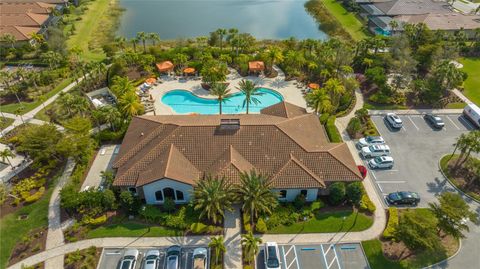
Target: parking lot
324	256
416	149
111	257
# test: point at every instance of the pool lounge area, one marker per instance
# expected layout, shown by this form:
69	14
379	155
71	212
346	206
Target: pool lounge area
185	102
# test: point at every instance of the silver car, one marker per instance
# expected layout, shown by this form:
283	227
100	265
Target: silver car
394	121
375	151
129	259
370	140
152	259
381	162
172	261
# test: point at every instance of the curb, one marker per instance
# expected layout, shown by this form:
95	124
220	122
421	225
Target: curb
454	186
415	112
449	258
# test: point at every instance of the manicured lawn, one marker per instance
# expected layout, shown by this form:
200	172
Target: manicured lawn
5	122
86	28
373	251
459	105
132	229
11	108
373	106
472	84
328	222
349	21
12	230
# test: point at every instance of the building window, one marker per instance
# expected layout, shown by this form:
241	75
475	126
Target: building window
282	194
169	193
133	190
159	196
304	193
180	195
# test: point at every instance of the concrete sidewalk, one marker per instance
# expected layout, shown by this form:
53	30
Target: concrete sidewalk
232	229
415	111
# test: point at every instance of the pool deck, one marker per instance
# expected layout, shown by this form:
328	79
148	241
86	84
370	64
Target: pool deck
287	89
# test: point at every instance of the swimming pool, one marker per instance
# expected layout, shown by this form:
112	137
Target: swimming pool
184	102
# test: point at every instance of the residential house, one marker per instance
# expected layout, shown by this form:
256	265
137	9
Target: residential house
165	156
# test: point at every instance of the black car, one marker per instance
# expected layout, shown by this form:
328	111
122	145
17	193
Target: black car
434	120
403	197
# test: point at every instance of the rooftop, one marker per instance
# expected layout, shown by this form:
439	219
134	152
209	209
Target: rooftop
284	142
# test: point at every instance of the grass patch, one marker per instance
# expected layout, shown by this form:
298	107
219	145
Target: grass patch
444	166
27	107
5	122
12	230
132	229
348	20
374	106
472	85
374	253
328	222
457	105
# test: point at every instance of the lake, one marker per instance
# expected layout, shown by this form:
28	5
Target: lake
263	19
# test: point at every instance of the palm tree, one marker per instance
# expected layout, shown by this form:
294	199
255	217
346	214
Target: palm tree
134	42
121	86
221	91
6	154
217	243
121	42
256	195
221	33
250	243
335	89
111	115
274	55
37	37
130	104
154	37
142	36
393	25
8	38
212	196
250	90
448	75
473	144
320	101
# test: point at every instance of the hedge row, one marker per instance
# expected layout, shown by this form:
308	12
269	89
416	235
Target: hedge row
392	223
332	130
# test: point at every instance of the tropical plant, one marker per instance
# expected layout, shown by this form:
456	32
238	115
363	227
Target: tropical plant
447	75
250	244
142	36
320	101
121	86
154	37
218	245
251	91
6	154
130	104
255	194
8	38
221	33
212	196
274	55
221	91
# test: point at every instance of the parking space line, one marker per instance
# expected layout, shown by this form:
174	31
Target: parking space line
380	187
296	257
284	256
336	257
466	122
413	123
323	255
453	122
373	174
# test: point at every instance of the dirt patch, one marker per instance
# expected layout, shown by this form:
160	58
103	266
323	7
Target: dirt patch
86	258
463	178
30	244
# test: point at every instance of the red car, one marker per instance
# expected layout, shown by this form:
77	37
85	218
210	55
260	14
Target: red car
363	170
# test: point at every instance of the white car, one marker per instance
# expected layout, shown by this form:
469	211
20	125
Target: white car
375	151
381	162
200	258
370	140
152	259
272	256
394	121
129	259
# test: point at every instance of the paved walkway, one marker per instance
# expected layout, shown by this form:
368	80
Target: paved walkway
232	229
55	233
103	162
111	242
462	97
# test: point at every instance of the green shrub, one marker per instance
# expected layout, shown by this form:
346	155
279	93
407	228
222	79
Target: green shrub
246	222
198	228
168	204
299	201
323	118
212	229
389	232
337	193
316	205
151	213
99	220
354	126
366	204
332	131
261	226
354	192
247	267
283	215
36	196
177	220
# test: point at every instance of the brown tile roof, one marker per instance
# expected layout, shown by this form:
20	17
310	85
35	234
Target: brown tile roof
293	151
19	7
19	32
284	109
23	19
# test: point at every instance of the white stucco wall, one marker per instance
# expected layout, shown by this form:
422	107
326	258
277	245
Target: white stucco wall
150	189
292	193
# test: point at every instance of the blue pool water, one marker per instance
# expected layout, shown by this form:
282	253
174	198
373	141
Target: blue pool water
184	102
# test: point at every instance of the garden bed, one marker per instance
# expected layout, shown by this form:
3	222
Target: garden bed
83	259
458	177
5	122
31	244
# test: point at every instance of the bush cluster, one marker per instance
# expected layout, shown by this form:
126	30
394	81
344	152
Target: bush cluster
390	230
366	204
36	196
332	130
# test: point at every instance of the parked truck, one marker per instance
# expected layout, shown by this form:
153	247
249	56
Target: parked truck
472	113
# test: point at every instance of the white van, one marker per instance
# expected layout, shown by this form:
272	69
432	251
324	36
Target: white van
472	112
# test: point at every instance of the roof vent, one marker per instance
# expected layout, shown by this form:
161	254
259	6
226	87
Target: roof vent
229	124
141	134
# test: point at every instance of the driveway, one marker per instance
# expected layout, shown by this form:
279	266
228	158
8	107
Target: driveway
416	150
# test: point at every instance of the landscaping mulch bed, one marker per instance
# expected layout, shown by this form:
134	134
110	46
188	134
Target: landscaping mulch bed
459	177
30	245
86	258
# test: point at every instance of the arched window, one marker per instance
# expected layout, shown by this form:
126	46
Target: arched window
169	193
282	194
304	193
159	196
179	195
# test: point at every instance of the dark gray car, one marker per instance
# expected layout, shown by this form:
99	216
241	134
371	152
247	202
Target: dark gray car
434	120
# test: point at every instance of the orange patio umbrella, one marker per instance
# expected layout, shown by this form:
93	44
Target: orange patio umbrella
151	80
165	66
314	86
189	70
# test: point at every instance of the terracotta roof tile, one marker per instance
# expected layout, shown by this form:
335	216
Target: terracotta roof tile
294	169
285	110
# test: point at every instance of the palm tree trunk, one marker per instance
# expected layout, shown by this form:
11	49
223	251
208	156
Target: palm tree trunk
220	103
248	105
144	48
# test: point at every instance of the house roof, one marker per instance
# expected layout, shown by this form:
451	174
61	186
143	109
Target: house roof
287	146
452	21
19	32
410	7
23	19
26	7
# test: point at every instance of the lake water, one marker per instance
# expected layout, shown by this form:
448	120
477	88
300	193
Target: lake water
264	19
